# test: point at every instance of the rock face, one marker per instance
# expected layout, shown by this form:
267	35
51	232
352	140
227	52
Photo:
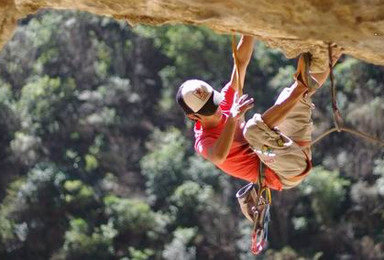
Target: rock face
294	26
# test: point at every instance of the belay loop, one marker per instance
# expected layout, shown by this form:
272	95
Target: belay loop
255	201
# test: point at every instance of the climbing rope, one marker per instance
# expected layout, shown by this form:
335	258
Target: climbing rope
337	118
236	64
259	211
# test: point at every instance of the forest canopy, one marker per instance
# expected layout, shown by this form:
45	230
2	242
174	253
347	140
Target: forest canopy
97	159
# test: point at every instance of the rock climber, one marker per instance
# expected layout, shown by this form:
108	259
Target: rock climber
279	137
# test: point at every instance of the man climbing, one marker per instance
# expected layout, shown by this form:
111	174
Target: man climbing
274	137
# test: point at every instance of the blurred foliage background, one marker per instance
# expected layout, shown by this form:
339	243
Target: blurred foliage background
97	160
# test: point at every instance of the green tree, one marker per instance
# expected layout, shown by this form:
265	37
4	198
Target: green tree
139	228
164	166
9	124
81	242
327	191
34	210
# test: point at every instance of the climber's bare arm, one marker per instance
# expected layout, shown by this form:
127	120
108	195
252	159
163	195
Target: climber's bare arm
244	54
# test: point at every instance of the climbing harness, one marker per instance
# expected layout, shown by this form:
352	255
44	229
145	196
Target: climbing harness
255	200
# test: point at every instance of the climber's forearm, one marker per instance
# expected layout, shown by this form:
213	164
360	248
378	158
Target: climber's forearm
244	54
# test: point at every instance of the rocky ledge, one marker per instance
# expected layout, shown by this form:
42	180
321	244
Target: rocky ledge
294	26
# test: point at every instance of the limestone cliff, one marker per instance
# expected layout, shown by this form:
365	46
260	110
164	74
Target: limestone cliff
293	26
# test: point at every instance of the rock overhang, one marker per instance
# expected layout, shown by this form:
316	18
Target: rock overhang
293	26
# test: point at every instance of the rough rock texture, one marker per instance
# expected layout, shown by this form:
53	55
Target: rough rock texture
293	26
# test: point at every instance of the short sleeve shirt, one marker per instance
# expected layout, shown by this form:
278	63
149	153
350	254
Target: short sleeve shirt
242	162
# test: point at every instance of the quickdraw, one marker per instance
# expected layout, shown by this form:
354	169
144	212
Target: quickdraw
255	200
260	235
261	215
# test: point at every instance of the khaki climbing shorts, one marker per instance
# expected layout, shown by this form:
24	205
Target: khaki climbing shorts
280	148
